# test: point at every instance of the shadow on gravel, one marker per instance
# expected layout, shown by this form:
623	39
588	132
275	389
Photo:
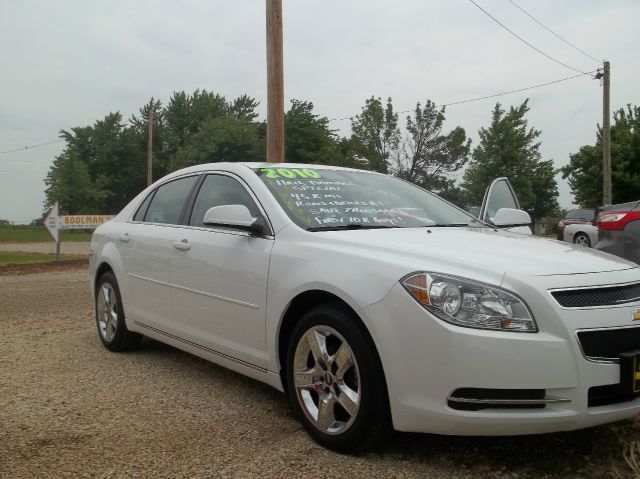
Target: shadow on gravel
585	453
588	453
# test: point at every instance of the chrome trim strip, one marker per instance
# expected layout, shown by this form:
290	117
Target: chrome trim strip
204	348
195	291
515	402
595	359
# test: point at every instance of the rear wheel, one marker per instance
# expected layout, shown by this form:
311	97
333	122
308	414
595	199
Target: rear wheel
112	329
582	239
336	382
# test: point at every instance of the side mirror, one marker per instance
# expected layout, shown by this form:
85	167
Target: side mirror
235	216
506	217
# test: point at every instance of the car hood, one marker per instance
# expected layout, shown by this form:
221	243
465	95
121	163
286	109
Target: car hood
482	247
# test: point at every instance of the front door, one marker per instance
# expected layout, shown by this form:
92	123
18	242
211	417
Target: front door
219	278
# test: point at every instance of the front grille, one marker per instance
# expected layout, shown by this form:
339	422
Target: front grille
607	344
605	296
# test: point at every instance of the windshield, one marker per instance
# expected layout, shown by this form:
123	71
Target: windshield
320	199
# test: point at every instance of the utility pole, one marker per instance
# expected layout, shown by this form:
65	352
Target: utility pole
150	148
606	136
275	83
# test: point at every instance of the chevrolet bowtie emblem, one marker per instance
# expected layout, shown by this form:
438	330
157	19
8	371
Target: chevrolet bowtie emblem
636	315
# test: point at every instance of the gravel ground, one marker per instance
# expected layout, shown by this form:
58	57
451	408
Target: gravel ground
69	408
69	247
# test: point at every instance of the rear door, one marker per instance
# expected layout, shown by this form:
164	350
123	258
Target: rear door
146	246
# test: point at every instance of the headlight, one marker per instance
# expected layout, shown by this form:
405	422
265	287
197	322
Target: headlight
470	304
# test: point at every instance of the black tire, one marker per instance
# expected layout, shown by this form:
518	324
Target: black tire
117	338
583	238
371	420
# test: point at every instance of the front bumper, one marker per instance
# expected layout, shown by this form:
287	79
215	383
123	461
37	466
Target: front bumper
425	360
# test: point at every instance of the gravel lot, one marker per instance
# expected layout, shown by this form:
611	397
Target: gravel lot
68	247
69	408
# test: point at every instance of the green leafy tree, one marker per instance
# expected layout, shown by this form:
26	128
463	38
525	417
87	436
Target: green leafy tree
308	138
375	135
69	183
584	171
429	157
244	107
508	147
222	139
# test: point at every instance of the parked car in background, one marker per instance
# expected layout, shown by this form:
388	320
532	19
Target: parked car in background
619	230
584	234
371	302
577	216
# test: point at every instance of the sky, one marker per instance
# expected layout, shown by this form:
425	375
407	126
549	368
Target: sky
67	64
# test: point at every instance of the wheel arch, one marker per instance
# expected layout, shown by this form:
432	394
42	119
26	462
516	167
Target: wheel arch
103	268
299	305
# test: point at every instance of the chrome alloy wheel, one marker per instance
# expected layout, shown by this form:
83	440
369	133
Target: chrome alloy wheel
582	240
327	380
107	312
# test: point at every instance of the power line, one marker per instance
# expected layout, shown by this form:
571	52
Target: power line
23	172
524	41
459	102
551	31
494	95
30	147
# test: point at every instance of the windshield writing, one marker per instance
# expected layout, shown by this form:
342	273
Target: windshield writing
324	199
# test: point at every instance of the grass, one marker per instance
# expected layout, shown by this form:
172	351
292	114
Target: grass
38	234
7	259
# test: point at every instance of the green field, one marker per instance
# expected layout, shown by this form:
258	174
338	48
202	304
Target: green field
7	259
38	234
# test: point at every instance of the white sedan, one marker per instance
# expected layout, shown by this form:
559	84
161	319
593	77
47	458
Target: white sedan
581	234
372	303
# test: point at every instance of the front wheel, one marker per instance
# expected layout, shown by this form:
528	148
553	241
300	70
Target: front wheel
582	239
335	378
112	329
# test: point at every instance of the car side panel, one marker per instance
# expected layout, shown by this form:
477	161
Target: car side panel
625	243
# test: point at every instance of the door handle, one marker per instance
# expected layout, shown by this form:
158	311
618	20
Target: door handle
183	245
125	237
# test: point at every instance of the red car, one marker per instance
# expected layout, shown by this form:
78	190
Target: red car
579	216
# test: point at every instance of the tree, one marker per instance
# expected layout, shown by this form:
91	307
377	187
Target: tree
584	170
375	134
69	183
428	157
221	139
508	147
308	138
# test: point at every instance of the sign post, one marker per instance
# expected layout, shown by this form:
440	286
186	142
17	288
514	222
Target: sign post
54	223
51	223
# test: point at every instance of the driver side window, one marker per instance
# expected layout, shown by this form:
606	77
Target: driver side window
218	190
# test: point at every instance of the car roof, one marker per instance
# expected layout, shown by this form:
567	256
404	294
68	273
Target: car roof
236	166
630	206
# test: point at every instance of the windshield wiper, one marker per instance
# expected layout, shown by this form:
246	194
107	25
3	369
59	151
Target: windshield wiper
350	226
446	225
472	224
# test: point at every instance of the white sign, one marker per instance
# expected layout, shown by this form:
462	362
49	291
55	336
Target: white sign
54	222
51	222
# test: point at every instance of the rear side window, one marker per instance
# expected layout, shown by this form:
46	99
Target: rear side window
218	190
169	200
581	215
139	216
